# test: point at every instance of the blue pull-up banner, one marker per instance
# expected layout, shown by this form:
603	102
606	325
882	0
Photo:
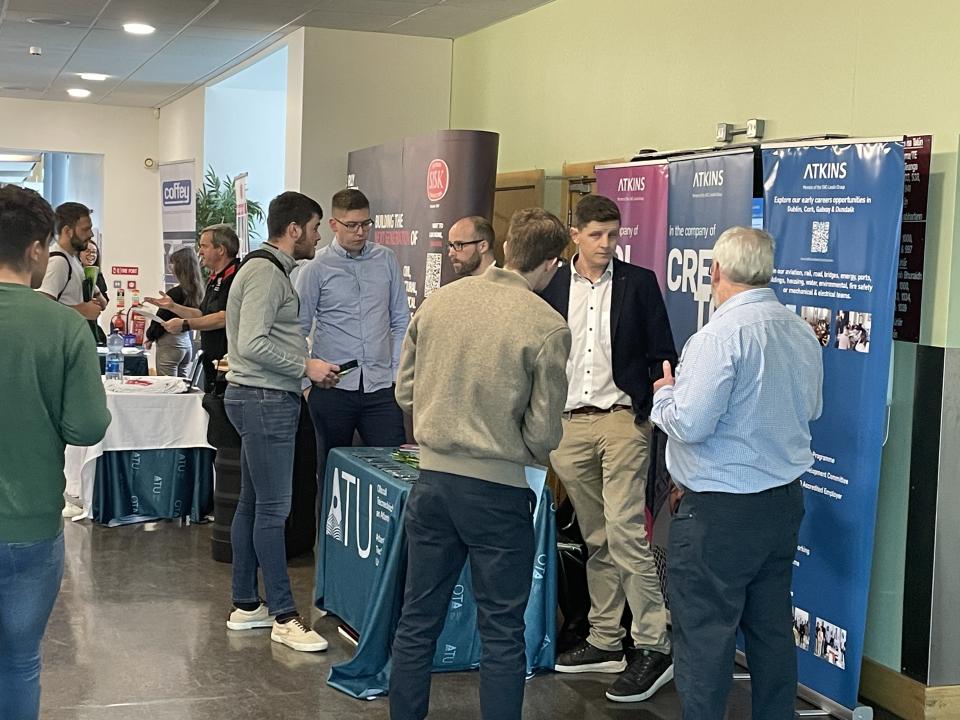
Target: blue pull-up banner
834	210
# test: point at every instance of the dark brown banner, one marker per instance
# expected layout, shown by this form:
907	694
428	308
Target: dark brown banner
418	187
916	185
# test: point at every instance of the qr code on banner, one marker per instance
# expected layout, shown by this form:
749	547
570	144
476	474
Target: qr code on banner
820	238
432	279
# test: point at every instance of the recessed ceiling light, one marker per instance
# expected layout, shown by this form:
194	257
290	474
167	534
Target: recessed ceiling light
78	92
57	22
138	28
93	77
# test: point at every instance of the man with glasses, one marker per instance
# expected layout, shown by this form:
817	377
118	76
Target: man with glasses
470	245
483	372
354	293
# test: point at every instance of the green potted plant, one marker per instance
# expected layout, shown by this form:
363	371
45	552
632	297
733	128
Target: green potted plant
217	203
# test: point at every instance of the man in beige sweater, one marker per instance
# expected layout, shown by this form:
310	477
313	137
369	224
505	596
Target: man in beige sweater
483	371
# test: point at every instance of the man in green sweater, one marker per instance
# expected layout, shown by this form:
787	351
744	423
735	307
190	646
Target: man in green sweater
483	370
52	397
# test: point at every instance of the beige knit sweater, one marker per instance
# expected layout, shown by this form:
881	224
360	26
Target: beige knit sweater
483	372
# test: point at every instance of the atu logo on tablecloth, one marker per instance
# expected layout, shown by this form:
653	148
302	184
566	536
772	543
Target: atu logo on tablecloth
338	517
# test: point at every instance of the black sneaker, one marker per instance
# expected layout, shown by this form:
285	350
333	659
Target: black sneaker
586	658
648	672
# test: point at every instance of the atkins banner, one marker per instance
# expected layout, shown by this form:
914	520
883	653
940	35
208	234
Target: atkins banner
418	187
834	210
708	194
640	191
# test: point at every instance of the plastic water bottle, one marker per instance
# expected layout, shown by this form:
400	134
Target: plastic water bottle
114	362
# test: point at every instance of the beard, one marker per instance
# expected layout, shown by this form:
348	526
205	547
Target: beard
469	265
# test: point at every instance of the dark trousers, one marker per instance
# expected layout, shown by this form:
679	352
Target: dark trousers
337	414
450	518
730	565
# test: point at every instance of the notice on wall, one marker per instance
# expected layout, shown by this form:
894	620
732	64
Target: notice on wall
916	186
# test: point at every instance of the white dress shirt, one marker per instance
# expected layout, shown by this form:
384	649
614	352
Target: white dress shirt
590	367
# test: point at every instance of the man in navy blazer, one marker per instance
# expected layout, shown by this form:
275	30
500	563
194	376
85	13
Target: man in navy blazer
621	336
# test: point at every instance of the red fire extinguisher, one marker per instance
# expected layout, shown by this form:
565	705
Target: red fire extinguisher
138	326
117	323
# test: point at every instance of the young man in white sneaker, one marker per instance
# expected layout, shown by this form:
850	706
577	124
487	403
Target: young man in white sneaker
268	360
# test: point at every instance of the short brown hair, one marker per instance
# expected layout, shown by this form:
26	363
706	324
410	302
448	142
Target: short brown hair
534	237
597	208
349	199
482	230
25	218
70	213
223	235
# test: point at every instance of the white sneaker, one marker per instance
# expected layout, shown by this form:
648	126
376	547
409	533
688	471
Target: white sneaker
70	510
295	634
250	619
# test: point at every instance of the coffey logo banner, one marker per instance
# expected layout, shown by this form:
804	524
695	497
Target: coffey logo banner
438	180
177	192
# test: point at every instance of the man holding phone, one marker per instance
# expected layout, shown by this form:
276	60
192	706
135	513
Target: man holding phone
353	291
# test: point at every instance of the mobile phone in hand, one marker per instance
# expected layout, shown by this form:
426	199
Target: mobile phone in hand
347	367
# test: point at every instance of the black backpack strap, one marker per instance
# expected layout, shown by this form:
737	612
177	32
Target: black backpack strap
58	253
266	255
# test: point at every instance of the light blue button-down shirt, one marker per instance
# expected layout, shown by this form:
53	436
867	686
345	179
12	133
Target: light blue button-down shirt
747	387
360	307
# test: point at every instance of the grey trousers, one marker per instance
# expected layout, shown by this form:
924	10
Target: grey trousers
174	354
730	564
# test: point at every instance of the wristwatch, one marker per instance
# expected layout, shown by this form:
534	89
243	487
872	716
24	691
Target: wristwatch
186	325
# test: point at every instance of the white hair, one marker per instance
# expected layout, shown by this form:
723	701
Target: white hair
745	255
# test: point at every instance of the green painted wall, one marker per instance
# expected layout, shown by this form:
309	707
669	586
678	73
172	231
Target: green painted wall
579	80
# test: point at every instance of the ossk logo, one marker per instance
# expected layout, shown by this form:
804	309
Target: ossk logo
438	179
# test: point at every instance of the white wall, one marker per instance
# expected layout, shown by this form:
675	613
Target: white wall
181	131
245	128
130	216
362	89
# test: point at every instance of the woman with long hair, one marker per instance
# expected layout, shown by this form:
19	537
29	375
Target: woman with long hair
175	350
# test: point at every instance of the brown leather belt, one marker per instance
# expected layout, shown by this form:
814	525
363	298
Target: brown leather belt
590	410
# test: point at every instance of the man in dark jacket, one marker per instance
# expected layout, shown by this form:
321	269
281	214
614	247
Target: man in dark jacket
621	336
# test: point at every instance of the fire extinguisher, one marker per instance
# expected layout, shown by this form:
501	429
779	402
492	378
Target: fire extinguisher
117	323
138	327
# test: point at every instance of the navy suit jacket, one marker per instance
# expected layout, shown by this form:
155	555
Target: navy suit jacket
639	329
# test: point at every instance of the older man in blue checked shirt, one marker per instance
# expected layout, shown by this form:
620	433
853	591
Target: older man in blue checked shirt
353	290
738	421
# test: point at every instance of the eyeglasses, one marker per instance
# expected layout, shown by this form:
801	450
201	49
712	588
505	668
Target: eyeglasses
458	246
353	226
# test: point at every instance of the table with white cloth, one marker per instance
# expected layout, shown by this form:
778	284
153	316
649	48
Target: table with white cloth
153	462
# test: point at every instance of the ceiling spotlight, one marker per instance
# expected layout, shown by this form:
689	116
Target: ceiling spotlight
139	28
78	92
93	77
51	21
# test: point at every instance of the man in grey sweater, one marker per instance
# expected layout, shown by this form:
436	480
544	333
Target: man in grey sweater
483	371
268	360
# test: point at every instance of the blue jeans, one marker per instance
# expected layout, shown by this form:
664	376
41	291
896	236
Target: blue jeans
30	575
266	421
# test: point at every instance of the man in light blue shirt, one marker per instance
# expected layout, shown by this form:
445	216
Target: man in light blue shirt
352	294
738	421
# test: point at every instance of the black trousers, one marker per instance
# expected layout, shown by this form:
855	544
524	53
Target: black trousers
337	414
450	518
730	565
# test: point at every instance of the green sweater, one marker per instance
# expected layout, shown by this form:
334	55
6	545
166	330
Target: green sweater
52	397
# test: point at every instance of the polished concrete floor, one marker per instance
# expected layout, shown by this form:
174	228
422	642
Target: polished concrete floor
138	633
